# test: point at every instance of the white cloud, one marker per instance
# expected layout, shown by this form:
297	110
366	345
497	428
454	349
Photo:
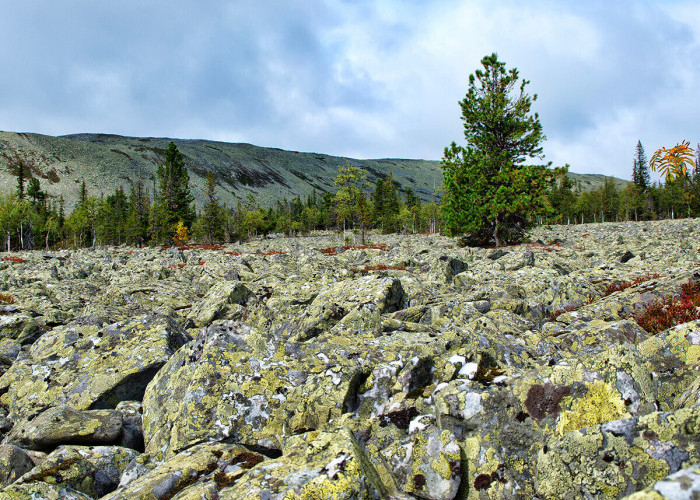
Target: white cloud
365	79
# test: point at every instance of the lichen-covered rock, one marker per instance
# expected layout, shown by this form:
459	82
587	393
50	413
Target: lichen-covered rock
412	456
673	356
681	485
411	368
234	383
88	366
14	462
204	467
314	465
13	326
615	458
219	297
94	471
337	302
42	491
132	425
64	425
222	385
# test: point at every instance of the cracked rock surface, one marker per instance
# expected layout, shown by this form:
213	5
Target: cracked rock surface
300	368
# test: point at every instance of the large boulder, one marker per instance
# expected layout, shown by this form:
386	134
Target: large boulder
63	425
206	467
90	365
94	471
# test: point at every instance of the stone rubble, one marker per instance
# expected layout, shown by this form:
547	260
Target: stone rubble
301	368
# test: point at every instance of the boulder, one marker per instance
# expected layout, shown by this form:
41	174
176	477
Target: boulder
64	425
14	462
204	468
89	366
92	471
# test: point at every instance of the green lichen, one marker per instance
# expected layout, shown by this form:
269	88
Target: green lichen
601	404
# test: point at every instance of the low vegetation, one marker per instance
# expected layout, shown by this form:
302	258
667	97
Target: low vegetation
6	298
671	311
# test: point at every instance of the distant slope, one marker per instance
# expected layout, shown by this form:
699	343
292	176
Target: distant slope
241	170
591	182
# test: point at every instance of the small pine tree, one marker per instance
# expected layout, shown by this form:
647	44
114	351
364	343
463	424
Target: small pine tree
34	191
490	196
83	193
350	199
20	181
19	166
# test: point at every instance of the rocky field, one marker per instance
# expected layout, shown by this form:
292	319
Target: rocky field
410	368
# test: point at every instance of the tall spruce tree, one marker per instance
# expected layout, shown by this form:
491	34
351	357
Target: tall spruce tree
640	171
20	180
490	196
83	196
139	206
213	217
173	200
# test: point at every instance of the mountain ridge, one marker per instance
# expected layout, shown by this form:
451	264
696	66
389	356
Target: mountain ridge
242	170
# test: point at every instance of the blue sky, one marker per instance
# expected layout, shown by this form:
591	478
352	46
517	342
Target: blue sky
366	79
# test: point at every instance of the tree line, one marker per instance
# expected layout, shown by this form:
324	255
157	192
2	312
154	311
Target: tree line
492	196
29	219
639	200
165	215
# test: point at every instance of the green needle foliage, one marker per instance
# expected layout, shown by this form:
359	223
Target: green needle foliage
350	200
174	200
490	196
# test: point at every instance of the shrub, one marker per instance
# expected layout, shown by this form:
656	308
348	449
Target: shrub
14	259
618	287
6	298
663	314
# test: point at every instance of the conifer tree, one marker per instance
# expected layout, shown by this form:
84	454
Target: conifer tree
490	196
173	201
350	199
20	181
17	165
83	193
640	171
34	191
139	204
213	217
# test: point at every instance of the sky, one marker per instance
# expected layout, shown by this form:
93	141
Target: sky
357	78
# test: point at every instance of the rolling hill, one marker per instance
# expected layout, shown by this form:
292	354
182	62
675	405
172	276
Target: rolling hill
241	170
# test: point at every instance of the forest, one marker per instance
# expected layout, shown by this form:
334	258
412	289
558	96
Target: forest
163	216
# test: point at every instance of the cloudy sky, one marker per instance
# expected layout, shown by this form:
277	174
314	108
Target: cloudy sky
358	78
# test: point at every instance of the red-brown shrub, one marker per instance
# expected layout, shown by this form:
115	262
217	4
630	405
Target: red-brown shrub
617	287
14	259
663	314
6	298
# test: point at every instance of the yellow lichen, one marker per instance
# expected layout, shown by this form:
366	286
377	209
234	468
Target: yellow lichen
601	404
